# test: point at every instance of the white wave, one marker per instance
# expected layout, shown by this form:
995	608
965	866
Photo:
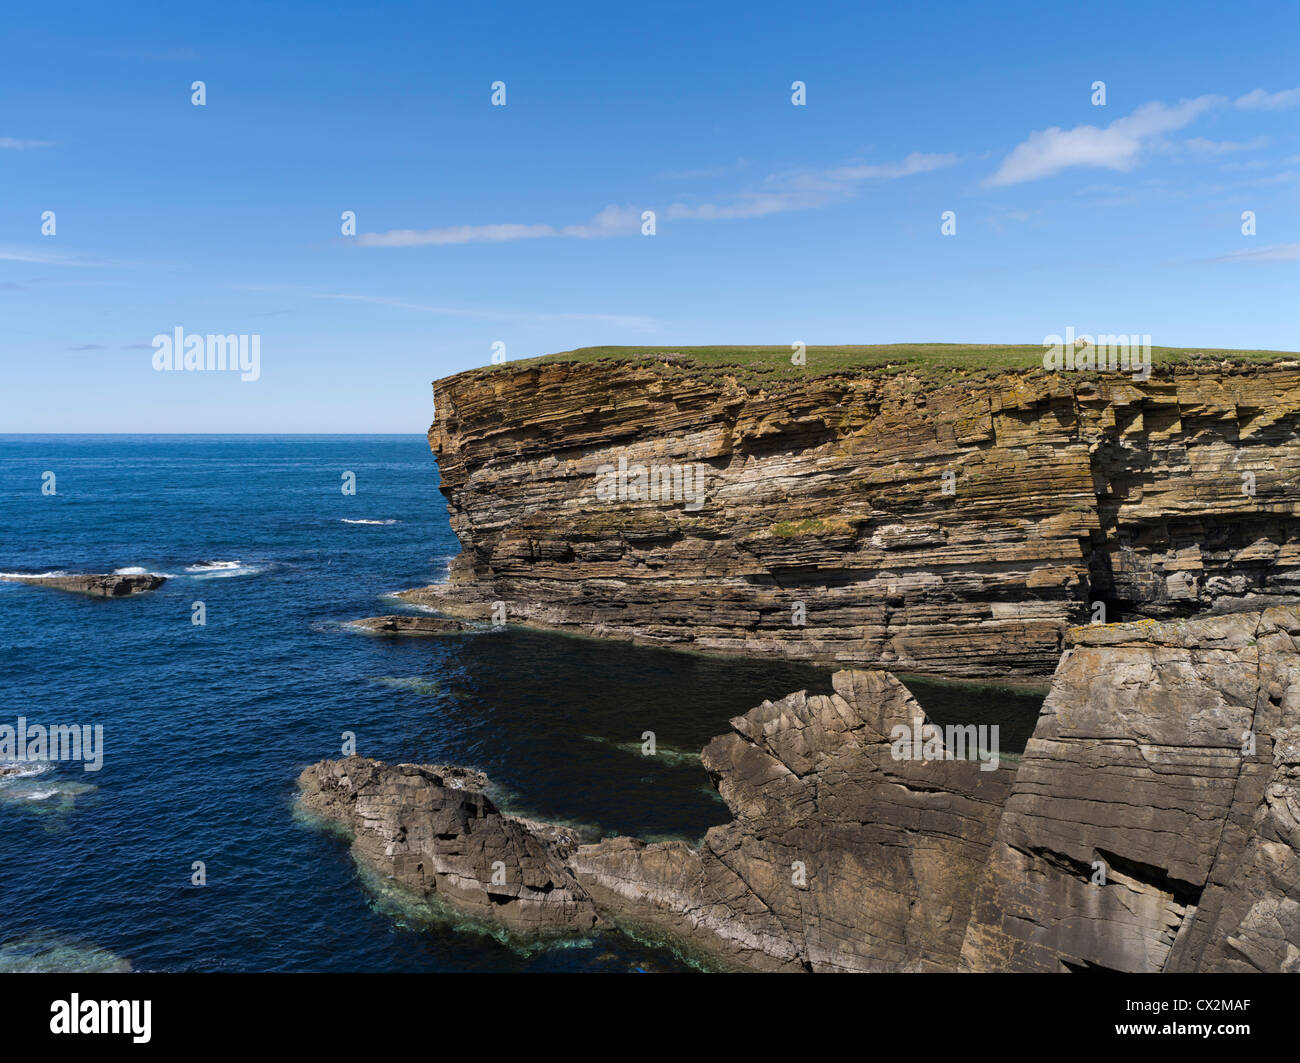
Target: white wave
222	569
33	575
42	795
346	521
11	770
137	570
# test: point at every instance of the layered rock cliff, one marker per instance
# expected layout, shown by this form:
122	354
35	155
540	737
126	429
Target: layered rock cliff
1153	825
956	524
1155	819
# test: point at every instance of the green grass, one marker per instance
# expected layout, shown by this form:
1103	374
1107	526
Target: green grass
927	359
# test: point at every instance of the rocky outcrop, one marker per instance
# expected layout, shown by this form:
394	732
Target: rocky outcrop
97	585
1153	825
840	857
953	523
1155	820
411	625
434	832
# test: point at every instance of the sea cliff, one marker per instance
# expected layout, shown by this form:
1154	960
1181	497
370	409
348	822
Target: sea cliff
901	516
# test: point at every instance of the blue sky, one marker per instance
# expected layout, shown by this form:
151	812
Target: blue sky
521	224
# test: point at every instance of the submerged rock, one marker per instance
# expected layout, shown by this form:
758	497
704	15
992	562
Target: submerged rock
411	625
97	585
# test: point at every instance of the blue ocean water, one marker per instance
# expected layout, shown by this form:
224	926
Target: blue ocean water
207	727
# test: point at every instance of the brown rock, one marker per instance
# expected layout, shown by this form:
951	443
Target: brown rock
1166	756
433	831
829	491
97	585
411	625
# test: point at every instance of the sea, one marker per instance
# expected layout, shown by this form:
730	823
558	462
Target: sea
186	850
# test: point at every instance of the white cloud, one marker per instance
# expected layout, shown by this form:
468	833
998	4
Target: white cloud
13	144
1276	253
1222	147
11	253
777	194
39	255
612	221
1115	147
1259	100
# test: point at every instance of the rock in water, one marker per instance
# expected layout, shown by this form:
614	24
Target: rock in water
888	851
434	832
411	625
97	585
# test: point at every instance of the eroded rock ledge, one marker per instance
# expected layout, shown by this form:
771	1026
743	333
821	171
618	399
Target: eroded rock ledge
955	527
400	624
95	584
840	857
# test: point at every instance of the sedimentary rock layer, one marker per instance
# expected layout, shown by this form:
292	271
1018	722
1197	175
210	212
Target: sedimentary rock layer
1155	820
839	856
410	625
954	525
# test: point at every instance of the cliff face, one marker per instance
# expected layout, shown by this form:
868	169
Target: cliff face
1155	819
954	524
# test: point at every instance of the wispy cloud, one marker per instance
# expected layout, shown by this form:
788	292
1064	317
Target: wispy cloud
14	144
1203	146
621	320
11	253
1117	146
1275	253
612	221
778	193
808	189
43	256
1259	100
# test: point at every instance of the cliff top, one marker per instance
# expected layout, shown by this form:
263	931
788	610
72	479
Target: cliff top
926	358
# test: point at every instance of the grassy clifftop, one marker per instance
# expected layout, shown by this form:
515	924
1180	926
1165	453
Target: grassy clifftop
938	359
